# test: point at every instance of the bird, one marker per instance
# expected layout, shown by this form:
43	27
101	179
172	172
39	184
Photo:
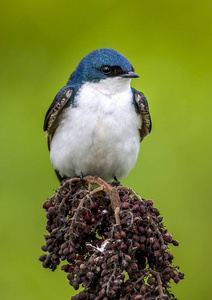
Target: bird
97	120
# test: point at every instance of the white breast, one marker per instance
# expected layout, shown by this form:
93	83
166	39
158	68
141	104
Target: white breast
100	134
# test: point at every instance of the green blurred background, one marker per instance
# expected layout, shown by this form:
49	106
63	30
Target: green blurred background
169	44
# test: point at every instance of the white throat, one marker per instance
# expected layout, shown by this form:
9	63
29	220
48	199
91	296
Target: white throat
111	86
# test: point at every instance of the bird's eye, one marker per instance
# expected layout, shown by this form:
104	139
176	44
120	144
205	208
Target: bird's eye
107	70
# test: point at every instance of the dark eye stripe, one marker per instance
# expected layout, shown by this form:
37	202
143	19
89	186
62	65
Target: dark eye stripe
117	71
112	71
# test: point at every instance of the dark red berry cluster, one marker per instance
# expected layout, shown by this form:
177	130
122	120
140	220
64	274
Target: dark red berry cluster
114	242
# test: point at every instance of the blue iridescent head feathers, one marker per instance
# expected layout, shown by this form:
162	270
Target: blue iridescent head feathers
90	67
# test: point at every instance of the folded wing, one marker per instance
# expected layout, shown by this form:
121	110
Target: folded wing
54	113
143	110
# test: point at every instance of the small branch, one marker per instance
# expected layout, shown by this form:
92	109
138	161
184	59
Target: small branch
157	276
111	277
65	184
160	286
64	200
80	206
111	191
130	191
117	210
157	230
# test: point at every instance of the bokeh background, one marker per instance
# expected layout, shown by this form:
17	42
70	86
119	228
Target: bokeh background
169	44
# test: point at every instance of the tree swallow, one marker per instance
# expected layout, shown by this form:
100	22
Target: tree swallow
96	122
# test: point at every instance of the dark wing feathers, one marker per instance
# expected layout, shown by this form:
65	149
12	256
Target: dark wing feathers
52	118
143	109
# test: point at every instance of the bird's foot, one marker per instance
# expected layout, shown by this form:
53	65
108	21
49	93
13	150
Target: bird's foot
81	177
115	182
84	182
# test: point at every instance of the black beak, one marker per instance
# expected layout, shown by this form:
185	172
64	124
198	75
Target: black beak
130	74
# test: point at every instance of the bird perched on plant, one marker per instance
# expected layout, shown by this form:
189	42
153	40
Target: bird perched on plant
97	120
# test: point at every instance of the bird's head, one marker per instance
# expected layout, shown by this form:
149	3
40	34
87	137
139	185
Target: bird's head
102	64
